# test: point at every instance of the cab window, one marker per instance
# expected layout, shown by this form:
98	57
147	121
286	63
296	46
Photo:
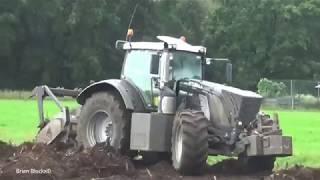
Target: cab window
185	65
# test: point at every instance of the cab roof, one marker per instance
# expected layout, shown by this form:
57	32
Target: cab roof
166	42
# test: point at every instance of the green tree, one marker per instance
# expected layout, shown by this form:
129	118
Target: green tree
267	38
68	43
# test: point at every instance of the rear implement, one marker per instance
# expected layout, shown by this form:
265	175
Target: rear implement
63	125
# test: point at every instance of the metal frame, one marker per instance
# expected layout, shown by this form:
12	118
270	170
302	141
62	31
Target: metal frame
41	92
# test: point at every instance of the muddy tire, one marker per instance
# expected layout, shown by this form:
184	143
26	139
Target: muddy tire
104	118
257	163
190	142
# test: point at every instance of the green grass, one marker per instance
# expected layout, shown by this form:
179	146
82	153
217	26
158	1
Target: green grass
304	127
19	120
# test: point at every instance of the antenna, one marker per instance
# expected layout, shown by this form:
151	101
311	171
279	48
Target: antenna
132	16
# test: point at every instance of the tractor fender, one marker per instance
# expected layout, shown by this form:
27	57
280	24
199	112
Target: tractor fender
112	84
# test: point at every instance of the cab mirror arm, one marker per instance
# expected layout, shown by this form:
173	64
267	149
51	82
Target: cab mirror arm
228	71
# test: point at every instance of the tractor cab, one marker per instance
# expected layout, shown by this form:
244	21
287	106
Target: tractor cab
156	66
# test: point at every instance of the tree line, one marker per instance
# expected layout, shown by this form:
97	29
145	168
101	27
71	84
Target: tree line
68	43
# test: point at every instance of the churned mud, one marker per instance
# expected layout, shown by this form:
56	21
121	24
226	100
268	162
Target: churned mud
38	162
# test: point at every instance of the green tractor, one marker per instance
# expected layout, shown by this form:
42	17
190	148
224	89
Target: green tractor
161	104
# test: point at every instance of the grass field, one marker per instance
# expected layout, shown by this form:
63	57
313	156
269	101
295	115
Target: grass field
304	127
19	120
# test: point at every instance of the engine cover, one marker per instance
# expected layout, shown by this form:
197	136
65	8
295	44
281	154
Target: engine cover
227	105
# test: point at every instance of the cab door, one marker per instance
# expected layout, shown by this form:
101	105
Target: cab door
140	69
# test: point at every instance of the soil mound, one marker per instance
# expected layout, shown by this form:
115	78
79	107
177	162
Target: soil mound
38	162
298	172
6	150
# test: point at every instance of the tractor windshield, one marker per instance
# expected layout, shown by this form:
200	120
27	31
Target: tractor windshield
186	65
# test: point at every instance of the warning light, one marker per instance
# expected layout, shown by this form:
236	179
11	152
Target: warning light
183	38
130	33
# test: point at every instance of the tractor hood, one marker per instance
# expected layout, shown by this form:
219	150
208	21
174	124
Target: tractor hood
226	105
237	104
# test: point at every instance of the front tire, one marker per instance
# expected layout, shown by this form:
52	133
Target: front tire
104	118
190	142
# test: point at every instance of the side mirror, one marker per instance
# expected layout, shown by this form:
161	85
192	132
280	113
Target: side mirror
229	72
209	61
154	66
119	44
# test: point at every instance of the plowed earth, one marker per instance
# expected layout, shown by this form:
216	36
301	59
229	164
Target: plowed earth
38	162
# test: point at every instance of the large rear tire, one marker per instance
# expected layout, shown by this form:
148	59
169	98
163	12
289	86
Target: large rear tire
190	142
104	118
